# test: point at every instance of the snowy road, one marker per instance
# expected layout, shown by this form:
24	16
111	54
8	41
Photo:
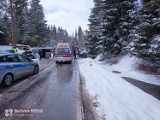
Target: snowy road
52	97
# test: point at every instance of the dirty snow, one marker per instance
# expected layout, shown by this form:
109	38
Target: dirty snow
116	98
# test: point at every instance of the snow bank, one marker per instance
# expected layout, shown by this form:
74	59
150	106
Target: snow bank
118	99
37	60
128	68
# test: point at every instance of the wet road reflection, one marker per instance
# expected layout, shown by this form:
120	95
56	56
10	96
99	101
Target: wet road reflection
56	95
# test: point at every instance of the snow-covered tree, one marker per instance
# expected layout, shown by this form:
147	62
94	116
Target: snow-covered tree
147	46
110	23
5	30
2	7
80	37
23	26
39	32
95	19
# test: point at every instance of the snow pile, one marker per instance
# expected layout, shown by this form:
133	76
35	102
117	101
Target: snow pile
118	99
128	68
37	60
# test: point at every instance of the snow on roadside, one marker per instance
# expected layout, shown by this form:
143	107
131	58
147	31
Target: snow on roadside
127	66
118	99
36	60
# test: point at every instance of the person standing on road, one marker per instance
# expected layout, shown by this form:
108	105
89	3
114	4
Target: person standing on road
14	49
40	54
74	52
54	52
77	53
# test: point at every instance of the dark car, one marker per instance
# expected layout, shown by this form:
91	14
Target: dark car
29	54
83	53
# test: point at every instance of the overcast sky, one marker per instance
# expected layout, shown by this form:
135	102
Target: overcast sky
68	14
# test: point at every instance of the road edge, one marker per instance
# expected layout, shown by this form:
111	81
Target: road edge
80	114
88	111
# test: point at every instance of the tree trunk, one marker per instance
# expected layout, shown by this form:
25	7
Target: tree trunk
13	24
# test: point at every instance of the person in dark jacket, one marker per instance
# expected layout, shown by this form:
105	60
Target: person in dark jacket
40	54
75	52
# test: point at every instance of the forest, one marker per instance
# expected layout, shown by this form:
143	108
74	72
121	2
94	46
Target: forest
23	22
119	27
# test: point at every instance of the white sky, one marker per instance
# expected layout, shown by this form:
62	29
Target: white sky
68	14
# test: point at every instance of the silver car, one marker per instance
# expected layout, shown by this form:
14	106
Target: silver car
14	66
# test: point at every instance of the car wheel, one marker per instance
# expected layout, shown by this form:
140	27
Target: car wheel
36	70
57	62
8	79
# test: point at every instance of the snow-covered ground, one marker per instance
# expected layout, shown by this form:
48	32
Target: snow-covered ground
128	68
116	98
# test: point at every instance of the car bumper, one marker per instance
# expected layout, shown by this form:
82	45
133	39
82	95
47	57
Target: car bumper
63	59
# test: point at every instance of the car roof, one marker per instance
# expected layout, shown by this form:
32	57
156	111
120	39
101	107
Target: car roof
5	47
3	54
63	44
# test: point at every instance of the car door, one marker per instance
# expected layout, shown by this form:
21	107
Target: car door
13	62
28	65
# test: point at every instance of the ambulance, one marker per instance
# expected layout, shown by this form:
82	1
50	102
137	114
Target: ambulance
63	53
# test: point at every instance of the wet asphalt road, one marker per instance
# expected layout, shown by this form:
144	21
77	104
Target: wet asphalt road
53	97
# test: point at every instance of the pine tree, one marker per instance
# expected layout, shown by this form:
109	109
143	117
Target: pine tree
110	23
39	32
95	19
54	33
147	46
5	32
2	7
116	26
23	26
80	37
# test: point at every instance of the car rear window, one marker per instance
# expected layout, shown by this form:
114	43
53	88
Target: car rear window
62	50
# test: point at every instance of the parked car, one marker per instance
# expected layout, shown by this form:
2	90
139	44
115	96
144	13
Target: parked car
14	66
23	47
29	54
27	50
63	53
44	52
36	53
82	53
